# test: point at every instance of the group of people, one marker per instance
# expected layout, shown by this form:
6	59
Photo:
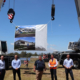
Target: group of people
53	63
39	66
16	63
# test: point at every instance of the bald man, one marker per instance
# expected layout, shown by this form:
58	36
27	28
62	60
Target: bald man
38	67
16	63
2	68
68	64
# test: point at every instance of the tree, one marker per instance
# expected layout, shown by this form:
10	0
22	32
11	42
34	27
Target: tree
23	54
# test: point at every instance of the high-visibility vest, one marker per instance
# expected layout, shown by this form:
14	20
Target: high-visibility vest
52	63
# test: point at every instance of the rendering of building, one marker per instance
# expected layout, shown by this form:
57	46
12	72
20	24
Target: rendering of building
25	30
24	43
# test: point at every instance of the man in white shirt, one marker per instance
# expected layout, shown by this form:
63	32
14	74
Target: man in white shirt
2	68
68	64
16	63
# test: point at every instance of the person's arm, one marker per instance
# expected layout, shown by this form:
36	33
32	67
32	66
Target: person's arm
12	64
4	65
71	64
0	72
44	66
70	67
56	63
34	68
48	64
64	64
19	64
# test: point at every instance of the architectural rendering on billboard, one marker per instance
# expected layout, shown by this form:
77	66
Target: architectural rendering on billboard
32	37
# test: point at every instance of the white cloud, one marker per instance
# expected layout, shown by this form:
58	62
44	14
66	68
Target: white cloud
51	45
12	43
52	49
59	25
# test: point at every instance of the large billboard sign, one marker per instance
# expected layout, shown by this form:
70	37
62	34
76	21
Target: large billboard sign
32	37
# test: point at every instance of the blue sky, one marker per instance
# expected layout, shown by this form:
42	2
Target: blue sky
29	39
61	31
27	26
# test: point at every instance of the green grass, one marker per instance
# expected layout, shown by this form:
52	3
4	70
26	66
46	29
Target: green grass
30	74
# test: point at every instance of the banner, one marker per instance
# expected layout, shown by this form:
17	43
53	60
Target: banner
32	37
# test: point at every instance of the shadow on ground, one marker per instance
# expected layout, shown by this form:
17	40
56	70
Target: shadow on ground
27	68
29	72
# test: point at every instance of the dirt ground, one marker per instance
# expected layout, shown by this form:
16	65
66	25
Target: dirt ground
29	74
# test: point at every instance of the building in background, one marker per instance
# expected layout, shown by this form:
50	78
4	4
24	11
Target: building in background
24	43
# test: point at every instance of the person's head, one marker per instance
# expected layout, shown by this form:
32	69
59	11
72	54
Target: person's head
16	57
40	58
2	58
52	56
68	56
